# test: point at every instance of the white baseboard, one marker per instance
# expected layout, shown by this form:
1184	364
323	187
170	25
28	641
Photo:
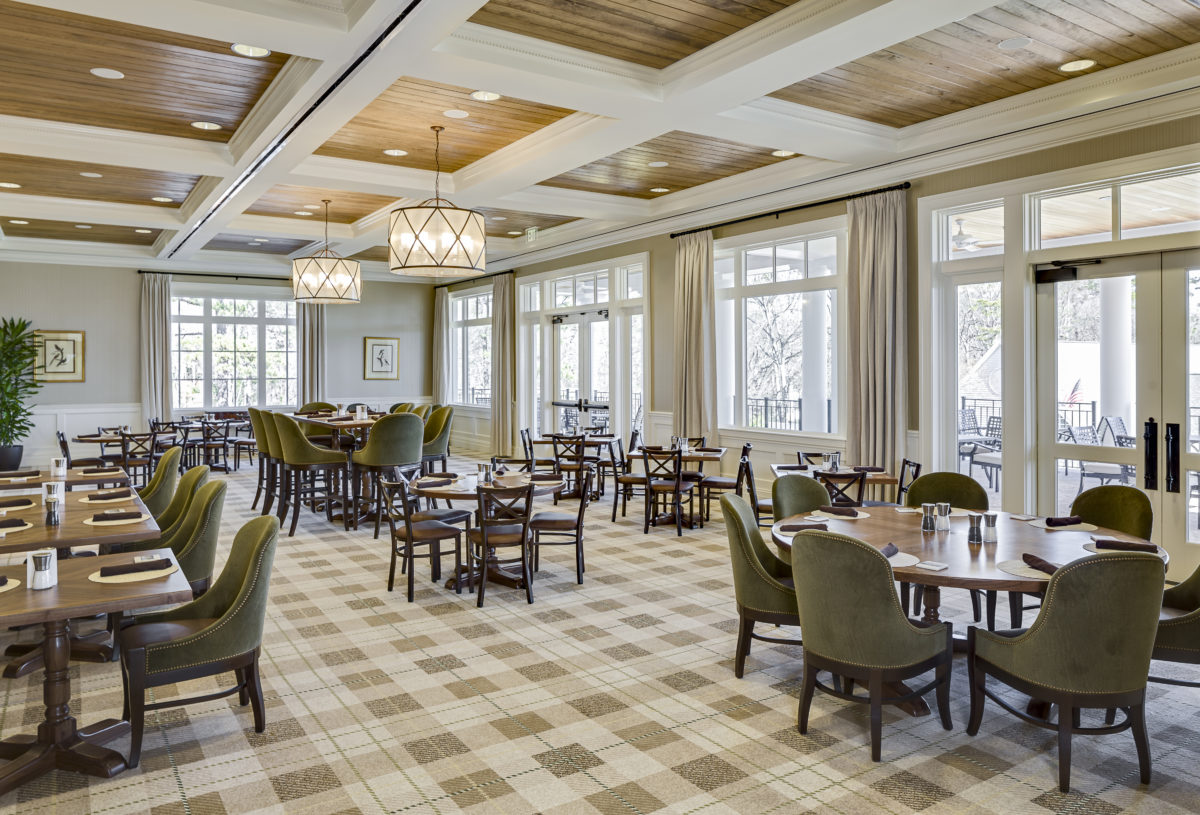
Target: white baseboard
42	444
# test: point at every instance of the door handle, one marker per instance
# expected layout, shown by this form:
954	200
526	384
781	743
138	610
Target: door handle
1150	462
1172	441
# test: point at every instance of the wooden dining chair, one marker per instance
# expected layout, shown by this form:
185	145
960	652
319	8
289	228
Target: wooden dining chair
627	483
503	525
137	455
562	529
717	485
845	489
409	529
65	449
571	459
763	507
910	471
666	487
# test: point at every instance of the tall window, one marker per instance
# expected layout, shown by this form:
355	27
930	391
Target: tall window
471	347
778	328
233	352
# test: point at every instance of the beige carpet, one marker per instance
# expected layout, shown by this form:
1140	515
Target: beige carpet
617	696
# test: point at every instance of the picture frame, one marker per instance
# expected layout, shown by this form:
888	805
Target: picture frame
380	358
61	356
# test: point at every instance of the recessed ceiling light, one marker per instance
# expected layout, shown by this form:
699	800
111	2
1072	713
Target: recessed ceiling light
262	240
1076	65
106	73
1105	197
162	199
312	206
143	231
659	189
1159	209
455	114
83	226
485	96
515	232
303	212
499	217
250	50
206	125
395	152
92	175
1014	43
19	223
783	153
10	185
656	164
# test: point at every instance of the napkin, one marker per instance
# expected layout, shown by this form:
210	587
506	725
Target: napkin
1124	546
89	435
868	469
9	523
889	550
845	512
342	419
545	477
116	516
708	449
442	475
107	495
9	503
100	470
802	527
134	568
1066	520
1035	562
798	467
434	482
21	474
3	580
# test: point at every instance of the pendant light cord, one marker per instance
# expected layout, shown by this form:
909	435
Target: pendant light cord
437	161
326	202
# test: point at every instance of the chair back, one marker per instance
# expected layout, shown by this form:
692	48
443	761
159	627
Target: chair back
995	428
194	542
256	429
271	434
756	570
314	407
1115	506
616	456
697	441
423	411
1082	434
157	494
501	507
394	440
185	492
635	439
968	423
215	432
294	446
745	478
909	471
437	431
401	407
137	445
1095	631
63	447
849	609
663	465
804	458
354	406
958	490
569	450
527	445
845	489
794	494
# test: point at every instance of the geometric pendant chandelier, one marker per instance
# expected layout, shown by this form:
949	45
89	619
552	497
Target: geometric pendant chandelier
326	277
436	238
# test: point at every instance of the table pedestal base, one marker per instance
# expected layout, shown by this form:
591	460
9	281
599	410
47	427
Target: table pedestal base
26	657
497	575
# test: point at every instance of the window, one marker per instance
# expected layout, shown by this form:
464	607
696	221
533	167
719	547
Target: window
779	301
974	230
232	351
471	347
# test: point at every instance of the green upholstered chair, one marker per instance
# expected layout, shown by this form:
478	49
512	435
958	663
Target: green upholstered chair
395	441
274	456
423	411
316	434
401	407
308	473
961	492
216	633
158	493
437	436
853	626
794	494
354	406
762	582
263	448
1113	506
185	492
1084	650
310	407
194	541
1178	638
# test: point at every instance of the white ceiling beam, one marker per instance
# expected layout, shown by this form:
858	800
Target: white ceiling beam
774	123
366	177
78	210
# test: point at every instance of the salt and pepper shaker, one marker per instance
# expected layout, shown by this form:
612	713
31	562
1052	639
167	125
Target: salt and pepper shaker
835	461
989	527
53	516
943	516
58	467
41	569
975	530
928	520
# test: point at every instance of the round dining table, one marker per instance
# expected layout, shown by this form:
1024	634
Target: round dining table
968	565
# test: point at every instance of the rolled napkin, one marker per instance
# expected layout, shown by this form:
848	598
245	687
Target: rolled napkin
1066	520
89	436
21	474
545	477
796	467
9	523
889	550
342	419
1035	562
3	580
442	475
845	512
802	527
500	470
116	516
100	470
869	470
111	495
134	568
708	449
1124	546
429	483
9	503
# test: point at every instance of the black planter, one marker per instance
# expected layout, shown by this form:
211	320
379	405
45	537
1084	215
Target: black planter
10	457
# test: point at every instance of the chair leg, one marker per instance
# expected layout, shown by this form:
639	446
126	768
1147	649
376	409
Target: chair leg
579	558
259	491
527	572
243	686
482	574
254	682
392	568
942	693
134	671
976	677
1066	719
990	604
1137	723
905	596
412	567
745	630
296	501
875	688
976	612
458	564
806	696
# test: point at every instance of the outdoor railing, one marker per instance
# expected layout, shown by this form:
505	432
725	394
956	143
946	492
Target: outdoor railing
1070	414
783	414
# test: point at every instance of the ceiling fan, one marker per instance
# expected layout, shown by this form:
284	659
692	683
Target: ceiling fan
963	241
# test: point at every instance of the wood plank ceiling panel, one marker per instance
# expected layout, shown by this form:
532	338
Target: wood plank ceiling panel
400	118
171	80
286	200
378	254
654	33
692	160
960	65
118	185
242	243
73	231
500	222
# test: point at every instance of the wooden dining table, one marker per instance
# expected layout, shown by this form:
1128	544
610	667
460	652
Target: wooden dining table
59	742
874	479
75	477
335	424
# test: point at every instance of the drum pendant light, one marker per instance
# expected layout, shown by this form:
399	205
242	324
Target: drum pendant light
326	277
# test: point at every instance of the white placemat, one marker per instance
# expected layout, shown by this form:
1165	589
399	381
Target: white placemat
20	479
134	577
10	585
87	500
1019	569
824	516
144	517
1040	523
902	559
10	530
1091	547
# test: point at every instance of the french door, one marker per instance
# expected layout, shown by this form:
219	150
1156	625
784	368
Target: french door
1119	389
580	372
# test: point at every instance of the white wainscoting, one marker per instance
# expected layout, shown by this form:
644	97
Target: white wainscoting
472	431
73	420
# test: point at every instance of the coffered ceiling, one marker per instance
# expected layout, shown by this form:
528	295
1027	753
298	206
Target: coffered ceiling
563	115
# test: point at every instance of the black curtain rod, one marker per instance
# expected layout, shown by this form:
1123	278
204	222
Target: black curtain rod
779	212
279	280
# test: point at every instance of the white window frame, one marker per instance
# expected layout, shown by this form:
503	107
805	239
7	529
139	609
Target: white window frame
459	329
210	292
736	246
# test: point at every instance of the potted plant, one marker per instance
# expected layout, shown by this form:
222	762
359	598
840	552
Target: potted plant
18	355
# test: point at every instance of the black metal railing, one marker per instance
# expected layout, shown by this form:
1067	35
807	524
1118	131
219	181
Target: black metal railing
480	396
783	414
1070	414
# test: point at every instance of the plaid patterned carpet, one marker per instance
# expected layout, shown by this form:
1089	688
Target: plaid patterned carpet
617	696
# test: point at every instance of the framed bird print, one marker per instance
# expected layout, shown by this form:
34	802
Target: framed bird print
379	357
60	356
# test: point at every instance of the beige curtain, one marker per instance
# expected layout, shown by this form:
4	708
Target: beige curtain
695	392
504	386
443	381
156	346
310	328
877	402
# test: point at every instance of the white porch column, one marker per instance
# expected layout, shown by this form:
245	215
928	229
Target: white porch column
1117	360
813	388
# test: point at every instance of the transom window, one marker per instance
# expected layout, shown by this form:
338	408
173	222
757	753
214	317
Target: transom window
471	347
232	352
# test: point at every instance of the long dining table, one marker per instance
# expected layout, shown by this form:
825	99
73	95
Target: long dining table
76	477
